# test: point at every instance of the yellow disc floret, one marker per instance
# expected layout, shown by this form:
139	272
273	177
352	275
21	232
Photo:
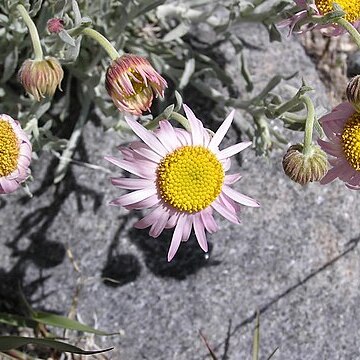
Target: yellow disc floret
9	149
139	85
350	139
350	7
190	178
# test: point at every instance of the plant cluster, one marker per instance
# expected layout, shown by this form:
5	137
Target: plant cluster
66	62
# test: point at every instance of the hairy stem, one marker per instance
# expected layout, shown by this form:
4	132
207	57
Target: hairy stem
33	32
350	29
103	41
182	120
309	125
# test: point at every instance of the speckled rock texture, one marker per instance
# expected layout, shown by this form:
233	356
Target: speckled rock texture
295	259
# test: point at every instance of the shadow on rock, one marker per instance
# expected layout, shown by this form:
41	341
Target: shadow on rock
120	270
187	261
45	253
2	203
33	230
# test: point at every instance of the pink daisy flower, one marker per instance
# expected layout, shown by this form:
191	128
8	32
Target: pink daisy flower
320	8
342	127
181	179
15	154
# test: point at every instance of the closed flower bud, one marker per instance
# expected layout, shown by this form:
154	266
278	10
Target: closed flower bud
40	78
55	25
131	82
303	168
353	92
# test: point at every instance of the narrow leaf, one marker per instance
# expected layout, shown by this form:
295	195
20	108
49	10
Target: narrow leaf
17	320
10	64
13	342
66	38
3	20
167	112
77	14
64	322
36	6
179	101
177	32
246	73
256	340
188	72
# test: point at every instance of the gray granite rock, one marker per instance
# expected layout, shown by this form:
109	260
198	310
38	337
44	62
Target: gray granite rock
295	259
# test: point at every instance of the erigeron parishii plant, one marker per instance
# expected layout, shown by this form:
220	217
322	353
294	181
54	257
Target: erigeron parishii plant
145	57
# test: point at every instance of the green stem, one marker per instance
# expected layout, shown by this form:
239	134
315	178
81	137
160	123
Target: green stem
286	106
153	124
62	168
350	29
33	32
182	120
103	41
309	125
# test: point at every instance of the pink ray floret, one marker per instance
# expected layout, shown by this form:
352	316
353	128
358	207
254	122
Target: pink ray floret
142	159
333	125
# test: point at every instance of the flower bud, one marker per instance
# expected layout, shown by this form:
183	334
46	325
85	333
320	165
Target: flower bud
353	92
55	25
131	82
40	78
303	168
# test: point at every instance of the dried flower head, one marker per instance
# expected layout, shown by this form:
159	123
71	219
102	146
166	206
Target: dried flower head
181	178
40	78
342	127
131	82
55	25
304	168
353	92
15	154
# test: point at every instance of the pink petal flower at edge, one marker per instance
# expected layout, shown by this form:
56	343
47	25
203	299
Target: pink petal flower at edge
142	159
333	125
292	21
12	181
330	29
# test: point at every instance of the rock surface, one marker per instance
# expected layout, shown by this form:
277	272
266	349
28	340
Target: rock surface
295	259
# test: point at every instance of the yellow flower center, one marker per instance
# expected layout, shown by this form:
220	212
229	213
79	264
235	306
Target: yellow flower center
137	86
350	138
9	149
190	178
350	7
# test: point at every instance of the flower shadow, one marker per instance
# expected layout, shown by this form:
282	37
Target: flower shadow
120	270
188	260
30	244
